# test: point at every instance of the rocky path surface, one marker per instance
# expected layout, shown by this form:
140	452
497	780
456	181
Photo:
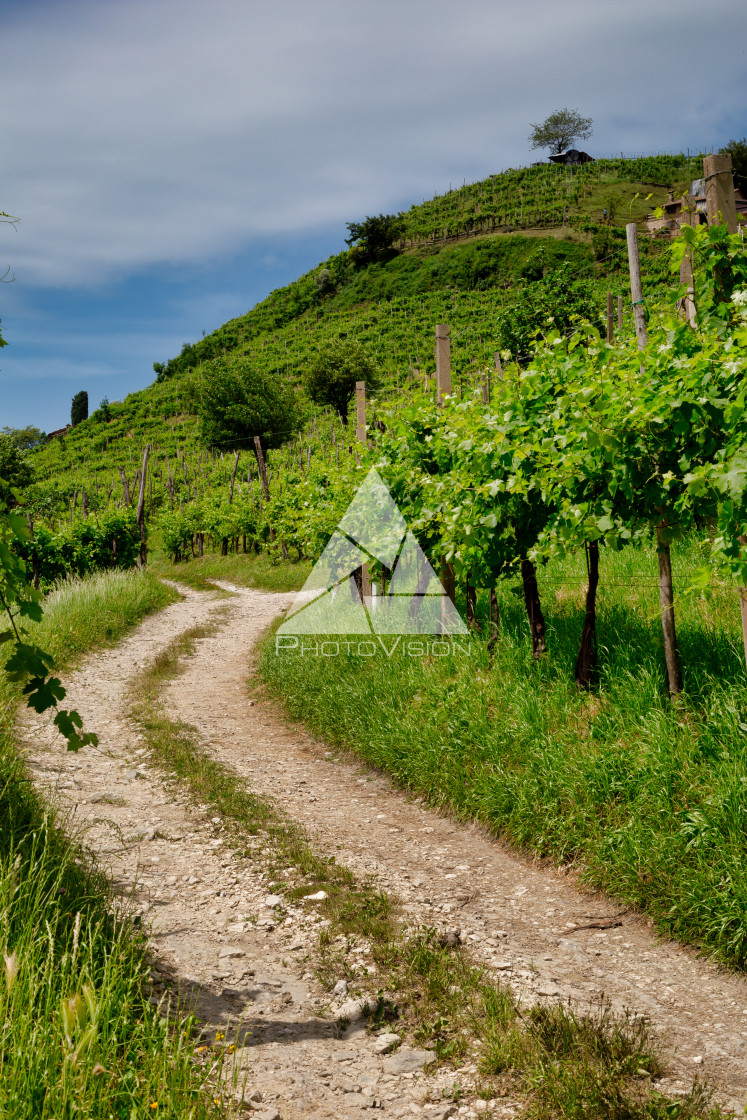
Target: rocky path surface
230	952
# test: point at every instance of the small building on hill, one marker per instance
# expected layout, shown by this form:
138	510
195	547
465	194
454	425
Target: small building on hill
572	156
671	218
58	432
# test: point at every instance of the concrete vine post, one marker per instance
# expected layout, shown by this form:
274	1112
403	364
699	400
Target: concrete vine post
636	289
719	186
443	363
690	218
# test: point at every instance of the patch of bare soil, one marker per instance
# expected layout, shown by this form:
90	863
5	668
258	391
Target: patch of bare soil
233	955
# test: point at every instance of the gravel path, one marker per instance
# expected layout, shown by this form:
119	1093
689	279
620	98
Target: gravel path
530	924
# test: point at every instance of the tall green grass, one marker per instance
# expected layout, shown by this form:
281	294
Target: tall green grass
78	1036
648	799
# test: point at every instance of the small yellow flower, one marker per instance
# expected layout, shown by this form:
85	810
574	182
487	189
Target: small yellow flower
219	1037
154	1104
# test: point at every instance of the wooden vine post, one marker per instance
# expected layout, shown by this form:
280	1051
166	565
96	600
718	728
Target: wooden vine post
443	389
663	551
262	468
360	435
233	476
140	516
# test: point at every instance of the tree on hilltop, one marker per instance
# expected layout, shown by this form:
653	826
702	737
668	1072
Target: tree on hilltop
558	131
373	239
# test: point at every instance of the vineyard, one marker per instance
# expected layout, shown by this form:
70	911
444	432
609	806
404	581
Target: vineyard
590	449
578	481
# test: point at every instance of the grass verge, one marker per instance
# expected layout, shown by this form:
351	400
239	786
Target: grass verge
560	1062
77	1033
243	569
644	798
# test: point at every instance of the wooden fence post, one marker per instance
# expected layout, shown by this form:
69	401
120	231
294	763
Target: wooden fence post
719	185
443	363
140	517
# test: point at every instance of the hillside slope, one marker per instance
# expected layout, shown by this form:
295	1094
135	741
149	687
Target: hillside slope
490	281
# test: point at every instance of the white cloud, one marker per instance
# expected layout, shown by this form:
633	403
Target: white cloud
167	131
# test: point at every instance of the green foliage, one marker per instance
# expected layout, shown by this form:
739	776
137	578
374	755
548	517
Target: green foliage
103	413
558	131
27	664
330	377
25	439
236	402
16	471
737	149
373	239
79	408
87	546
555	303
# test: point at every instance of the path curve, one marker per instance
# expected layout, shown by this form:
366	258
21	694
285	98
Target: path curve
515	915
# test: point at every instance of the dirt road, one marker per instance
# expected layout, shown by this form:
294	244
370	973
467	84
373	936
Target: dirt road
213	930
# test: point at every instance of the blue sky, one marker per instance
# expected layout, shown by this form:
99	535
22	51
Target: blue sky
172	161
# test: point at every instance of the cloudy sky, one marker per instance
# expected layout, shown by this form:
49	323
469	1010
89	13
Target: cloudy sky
172	161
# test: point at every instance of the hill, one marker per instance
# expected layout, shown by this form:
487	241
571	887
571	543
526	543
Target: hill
495	259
